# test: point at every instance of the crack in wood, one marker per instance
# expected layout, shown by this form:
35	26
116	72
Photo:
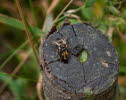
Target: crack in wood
74	31
60	33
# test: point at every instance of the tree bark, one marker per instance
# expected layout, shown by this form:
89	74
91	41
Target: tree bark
94	79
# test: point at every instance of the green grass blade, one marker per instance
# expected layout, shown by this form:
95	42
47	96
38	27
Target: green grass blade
13	54
16	86
3	74
2	55
18	24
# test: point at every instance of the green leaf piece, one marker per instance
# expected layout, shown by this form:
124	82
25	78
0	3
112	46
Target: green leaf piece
113	10
90	3
122	69
83	56
17	87
18	24
86	14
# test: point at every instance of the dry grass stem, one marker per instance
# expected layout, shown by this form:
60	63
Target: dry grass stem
52	6
27	31
62	11
110	32
49	16
39	87
121	35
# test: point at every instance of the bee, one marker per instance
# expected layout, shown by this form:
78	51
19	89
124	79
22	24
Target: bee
62	50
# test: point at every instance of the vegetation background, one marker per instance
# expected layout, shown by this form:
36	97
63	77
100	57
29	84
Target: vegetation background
23	24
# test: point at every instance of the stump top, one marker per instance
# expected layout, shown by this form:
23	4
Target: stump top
95	75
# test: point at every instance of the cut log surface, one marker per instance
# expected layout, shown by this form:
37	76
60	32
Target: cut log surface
96	78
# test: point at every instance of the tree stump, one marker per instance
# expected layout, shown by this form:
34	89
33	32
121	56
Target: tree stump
94	79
